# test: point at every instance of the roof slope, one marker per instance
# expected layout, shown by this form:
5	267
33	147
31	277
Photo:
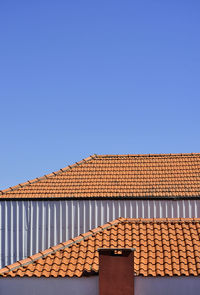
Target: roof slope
105	176
164	247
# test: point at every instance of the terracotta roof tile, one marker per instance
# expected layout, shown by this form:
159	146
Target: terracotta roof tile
111	176
163	247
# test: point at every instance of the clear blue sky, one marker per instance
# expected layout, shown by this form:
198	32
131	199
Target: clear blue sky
105	77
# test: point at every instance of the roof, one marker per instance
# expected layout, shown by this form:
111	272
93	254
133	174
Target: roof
164	247
117	176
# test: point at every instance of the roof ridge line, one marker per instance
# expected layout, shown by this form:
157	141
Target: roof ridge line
60	246
46	176
149	155
161	220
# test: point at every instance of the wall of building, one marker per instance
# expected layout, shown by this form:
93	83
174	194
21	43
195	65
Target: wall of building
49	286
89	285
167	285
27	227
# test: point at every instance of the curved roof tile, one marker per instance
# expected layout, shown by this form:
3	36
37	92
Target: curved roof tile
164	247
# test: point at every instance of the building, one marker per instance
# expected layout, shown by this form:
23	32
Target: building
166	260
56	207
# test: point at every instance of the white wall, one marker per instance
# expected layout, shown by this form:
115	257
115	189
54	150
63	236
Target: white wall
167	285
89	286
49	286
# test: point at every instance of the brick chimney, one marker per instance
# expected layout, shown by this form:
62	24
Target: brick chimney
116	273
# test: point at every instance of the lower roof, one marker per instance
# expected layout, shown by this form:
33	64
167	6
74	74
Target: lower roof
164	247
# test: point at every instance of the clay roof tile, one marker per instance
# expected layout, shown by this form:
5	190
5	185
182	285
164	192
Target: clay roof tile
117	176
159	250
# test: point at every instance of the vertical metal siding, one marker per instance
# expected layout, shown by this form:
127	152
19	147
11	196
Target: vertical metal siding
27	227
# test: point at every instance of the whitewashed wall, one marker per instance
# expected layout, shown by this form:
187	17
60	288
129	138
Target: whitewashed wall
90	286
167	285
49	286
26	227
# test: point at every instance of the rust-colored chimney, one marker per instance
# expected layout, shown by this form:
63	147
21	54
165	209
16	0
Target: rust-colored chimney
116	273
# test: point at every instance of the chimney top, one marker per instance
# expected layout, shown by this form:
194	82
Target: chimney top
117	249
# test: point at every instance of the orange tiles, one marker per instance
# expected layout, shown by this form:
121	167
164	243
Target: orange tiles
164	247
105	176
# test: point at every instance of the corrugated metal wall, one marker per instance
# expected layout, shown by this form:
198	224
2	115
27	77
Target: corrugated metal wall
26	227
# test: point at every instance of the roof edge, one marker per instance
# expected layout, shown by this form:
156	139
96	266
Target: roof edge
60	246
46	176
141	198
150	155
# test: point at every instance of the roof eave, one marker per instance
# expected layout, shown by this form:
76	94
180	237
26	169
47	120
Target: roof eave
148	198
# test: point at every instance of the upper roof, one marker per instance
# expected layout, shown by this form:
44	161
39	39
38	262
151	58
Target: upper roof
121	176
164	247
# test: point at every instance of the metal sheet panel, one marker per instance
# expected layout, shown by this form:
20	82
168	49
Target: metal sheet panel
27	227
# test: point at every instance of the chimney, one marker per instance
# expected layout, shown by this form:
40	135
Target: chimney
116	272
